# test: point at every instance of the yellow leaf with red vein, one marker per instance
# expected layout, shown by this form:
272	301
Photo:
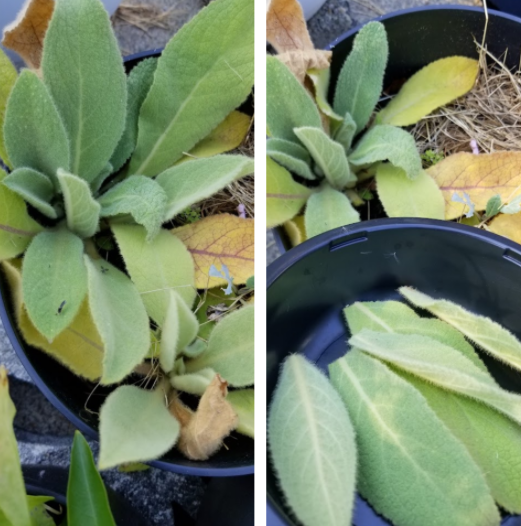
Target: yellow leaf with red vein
507	225
286	28
223	239
480	176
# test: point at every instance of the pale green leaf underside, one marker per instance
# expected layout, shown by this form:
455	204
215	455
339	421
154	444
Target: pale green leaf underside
194	383
230	349
135	426
290	155
400	439
54	280
217	67
346	132
312	445
243	403
8	74
120	317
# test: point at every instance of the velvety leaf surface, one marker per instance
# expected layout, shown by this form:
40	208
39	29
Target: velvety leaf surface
320	79
8	75
243	402
312	445
101	178
195	383
210	63
292	156
346	132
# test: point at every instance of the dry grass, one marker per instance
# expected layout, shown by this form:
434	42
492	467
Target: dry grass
144	16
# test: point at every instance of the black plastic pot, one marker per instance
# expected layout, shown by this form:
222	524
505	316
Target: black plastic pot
508	6
310	285
51	481
69	393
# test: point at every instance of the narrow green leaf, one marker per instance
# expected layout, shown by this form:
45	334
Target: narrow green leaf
35	187
288	104
139	196
120	317
404	446
243	403
360	82
404	197
156	268
388	143
8	75
82	211
87	500
494	205
320	79
135	426
83	69
346	132
485	333
230	349
54	281
329	155
195	180
195	383
435	85
328	209
214	51
292	156
312	444
139	83
34	133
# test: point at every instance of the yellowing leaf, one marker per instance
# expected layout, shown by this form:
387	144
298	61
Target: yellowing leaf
298	62
480	176
25	35
286	28
508	226
435	85
296	230
220	240
8	76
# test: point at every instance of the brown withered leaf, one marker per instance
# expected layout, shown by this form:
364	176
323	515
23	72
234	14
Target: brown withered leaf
299	62
203	431
25	35
286	28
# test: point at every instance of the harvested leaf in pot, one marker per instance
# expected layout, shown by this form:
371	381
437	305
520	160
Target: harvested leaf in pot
8	75
203	431
292	156
194	383
437	84
218	240
312	445
508	226
482	331
243	403
399	439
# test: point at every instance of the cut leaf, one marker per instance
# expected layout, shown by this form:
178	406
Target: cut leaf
195	383
54	281
84	480
120	317
388	143
360	82
92	102
230	349
404	197
329	156
346	132
82	211
328	209
291	156
243	403
218	240
434	86
217	76
399	439
196	180
156	267
508	226
135	426
8	75
285	197
139	196
286	28
312	444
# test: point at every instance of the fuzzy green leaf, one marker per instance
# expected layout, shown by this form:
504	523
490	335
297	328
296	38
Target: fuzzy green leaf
288	104
205	72
494	205
328	209
230	349
34	187
243	403
195	180
320	79
101	178
360	82
292	156
139	83
405	197
83	70
135	426
87	500
156	268
81	209
35	136
388	143
139	196
8	75
329	156
346	132
195	349
195	383
485	333
120	317
54	281
312	444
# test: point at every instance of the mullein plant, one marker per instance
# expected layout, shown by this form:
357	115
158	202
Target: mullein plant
98	159
329	156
